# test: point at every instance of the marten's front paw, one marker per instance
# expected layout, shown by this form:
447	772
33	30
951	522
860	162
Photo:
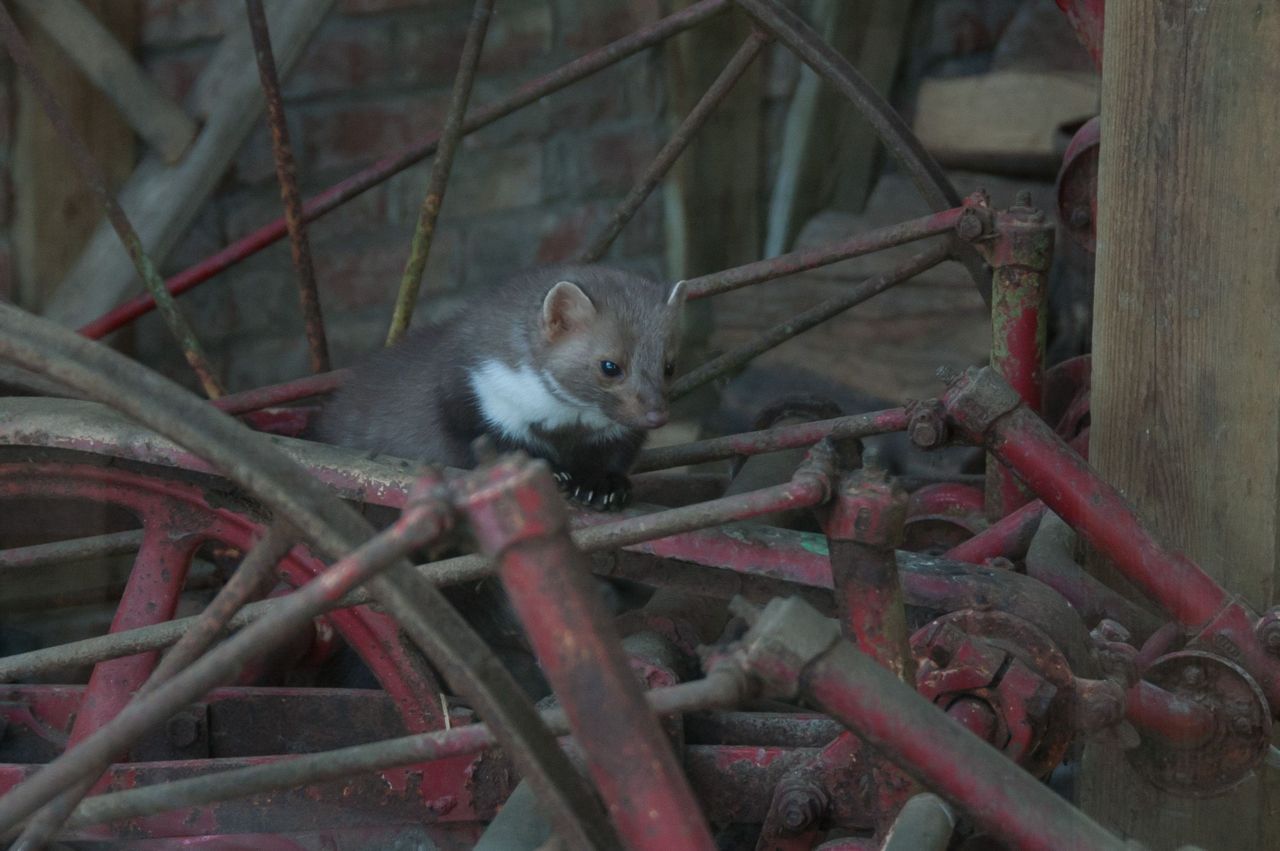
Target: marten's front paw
610	492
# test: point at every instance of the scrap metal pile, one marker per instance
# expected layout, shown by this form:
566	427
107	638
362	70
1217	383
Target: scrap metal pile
788	688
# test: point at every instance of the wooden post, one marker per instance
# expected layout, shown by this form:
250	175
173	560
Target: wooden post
1186	399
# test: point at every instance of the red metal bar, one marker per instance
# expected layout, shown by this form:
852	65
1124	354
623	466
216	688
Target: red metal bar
388	166
93	175
675	146
864	528
1020	254
518	518
1178	721
786	646
772	440
986	408
963	219
807	319
287	175
278	394
150	597
424	231
1008	537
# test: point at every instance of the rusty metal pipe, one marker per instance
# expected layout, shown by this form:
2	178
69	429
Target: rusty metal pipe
343	191
94	177
78	549
805	320
1177	721
518	518
772	440
653	174
424	231
278	394
1009	537
287	175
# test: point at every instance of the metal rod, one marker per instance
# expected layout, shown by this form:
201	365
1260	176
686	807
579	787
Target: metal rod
93	176
519	520
719	690
958	218
255	568
902	144
417	526
1008	537
278	394
78	549
287	175
424	232
925	823
388	166
802	322
772	440
692	123
995	792
1175	720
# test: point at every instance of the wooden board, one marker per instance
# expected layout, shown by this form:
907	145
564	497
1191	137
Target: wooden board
1005	120
1186	402
163	200
55	213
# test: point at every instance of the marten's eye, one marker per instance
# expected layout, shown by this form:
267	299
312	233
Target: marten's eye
610	368
669	369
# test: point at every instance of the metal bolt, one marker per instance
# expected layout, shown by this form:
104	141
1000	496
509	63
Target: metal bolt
1080	218
1193	677
1268	631
969	227
183	730
1241	725
927	429
801	805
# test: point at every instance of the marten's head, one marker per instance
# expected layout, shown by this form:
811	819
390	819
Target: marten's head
608	340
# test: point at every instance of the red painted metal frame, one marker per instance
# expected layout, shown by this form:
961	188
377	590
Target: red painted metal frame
989	412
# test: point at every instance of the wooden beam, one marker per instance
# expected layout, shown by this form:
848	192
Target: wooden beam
92	48
163	200
55	214
1185	401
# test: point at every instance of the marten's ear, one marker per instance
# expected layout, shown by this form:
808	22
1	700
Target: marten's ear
675	300
566	310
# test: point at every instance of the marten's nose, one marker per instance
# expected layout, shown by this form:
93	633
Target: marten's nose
655	419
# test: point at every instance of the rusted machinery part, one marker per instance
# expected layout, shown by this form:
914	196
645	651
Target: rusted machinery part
330	526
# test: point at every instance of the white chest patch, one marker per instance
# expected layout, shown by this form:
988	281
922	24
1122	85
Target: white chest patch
513	401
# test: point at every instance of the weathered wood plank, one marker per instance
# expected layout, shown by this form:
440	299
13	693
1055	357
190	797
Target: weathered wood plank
92	48
1186	405
163	200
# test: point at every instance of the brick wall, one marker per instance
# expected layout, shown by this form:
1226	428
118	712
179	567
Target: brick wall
532	188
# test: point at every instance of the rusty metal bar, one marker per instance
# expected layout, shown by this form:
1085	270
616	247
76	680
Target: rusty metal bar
962	219
772	440
424	232
343	191
78	549
426	520
723	689
92	175
902	144
287	175
278	394
1168	716
802	322
675	146
518	518
256	567
1008	537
